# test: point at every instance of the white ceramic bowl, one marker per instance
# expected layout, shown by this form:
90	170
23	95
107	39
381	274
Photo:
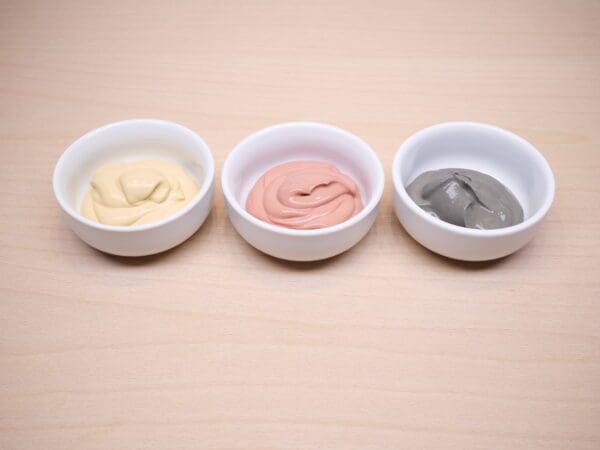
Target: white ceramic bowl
134	140
491	150
275	145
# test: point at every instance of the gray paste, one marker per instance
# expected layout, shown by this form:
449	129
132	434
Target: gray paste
466	198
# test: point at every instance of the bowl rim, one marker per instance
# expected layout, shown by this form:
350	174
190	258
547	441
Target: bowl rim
367	209
207	182
468	126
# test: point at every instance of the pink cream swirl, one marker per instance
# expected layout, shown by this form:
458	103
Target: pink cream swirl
304	195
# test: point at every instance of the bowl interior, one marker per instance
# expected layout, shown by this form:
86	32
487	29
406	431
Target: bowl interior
503	155
129	141
292	142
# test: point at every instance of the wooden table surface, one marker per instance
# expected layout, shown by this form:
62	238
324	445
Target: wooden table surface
216	346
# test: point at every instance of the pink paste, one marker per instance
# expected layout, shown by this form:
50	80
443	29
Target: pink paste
304	195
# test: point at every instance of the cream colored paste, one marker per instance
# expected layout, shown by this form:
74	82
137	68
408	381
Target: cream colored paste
137	193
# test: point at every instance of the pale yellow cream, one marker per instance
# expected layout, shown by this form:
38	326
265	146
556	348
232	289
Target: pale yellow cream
137	193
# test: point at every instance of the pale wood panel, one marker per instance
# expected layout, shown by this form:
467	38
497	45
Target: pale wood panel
215	346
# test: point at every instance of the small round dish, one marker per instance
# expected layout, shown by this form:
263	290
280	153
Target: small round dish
294	141
486	148
127	141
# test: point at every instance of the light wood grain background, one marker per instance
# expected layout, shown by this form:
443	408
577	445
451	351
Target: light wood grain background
215	346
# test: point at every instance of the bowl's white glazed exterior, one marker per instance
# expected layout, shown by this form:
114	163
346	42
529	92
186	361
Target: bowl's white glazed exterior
489	149
301	141
134	140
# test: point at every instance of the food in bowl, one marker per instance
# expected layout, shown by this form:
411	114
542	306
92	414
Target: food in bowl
467	198
137	193
304	195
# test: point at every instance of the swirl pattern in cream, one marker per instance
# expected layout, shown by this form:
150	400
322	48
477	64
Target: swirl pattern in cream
304	195
137	193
